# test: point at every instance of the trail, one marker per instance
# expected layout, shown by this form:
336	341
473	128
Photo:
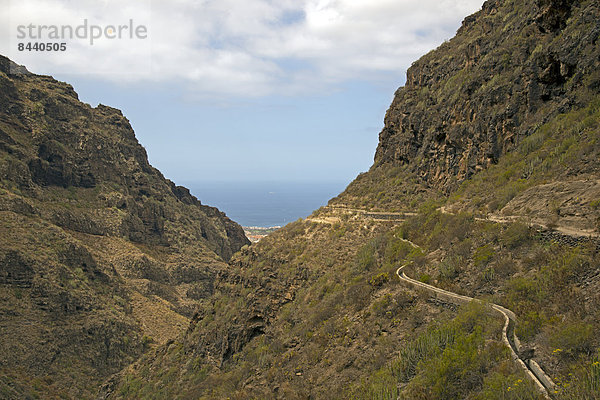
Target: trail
507	219
383	216
377	216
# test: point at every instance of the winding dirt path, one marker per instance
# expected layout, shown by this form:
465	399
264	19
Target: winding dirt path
377	216
500	219
507	219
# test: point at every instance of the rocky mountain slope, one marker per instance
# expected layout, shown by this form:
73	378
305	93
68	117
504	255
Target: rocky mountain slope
101	257
491	145
511	68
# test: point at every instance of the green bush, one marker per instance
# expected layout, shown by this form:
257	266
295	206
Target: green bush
365	258
498	386
585	384
452	374
379	280
382	385
525	289
380	306
573	338
516	235
488	275
424	347
396	250
483	255
530	325
368	255
449	268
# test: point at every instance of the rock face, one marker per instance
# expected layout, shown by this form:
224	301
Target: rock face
54	140
100	256
567	202
510	68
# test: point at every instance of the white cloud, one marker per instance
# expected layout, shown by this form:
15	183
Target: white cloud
243	47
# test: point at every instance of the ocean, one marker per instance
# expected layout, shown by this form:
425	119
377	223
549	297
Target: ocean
266	204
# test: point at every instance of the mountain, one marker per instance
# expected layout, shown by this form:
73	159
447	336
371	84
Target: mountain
485	183
101	257
510	69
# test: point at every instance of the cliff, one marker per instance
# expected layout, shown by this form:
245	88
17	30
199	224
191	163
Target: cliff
510	68
101	257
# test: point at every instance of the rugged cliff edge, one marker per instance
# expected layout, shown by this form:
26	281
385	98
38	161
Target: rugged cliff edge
100	256
511	68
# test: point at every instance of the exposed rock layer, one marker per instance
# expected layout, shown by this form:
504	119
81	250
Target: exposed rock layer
100	256
511	67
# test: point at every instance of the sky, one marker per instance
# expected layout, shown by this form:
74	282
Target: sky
230	90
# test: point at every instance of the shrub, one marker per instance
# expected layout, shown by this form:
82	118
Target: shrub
498	386
454	373
516	235
483	255
425	346
585	385
358	295
147	341
396	251
365	258
294	229
523	289
505	267
379	280
530	325
449	268
380	386
573	338
488	275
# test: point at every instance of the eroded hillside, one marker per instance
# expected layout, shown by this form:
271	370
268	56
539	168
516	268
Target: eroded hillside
101	257
511	68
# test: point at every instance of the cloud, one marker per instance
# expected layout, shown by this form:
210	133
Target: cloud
243	48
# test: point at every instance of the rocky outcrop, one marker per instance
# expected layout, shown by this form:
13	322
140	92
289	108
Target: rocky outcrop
16	271
269	291
553	14
509	69
71	145
100	255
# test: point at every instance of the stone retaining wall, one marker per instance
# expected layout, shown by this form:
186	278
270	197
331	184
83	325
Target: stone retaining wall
568	240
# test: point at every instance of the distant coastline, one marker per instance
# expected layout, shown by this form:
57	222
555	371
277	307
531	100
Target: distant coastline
265	205
255	233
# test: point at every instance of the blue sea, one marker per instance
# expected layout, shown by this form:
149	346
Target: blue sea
266	204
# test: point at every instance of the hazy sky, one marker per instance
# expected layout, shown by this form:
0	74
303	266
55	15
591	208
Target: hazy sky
242	89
